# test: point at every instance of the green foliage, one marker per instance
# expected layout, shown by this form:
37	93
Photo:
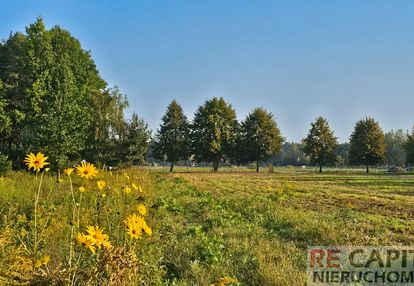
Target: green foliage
5	164
171	141
53	99
260	137
409	148
367	143
48	94
136	140
213	133
394	147
320	144
291	154
107	128
342	154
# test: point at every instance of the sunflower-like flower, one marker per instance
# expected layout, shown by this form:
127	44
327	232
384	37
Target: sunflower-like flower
95	238
36	162
127	190
86	170
136	188
68	171
142	210
101	185
136	226
98	237
86	241
42	261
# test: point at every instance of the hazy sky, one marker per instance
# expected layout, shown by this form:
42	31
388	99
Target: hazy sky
299	59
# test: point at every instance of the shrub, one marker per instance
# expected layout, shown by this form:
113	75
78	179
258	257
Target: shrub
5	164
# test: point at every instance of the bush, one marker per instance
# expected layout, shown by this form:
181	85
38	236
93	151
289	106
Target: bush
5	164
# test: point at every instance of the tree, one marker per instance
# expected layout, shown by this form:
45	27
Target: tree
15	75
49	80
260	137
107	127
367	146
171	141
320	144
394	147
136	141
409	148
213	131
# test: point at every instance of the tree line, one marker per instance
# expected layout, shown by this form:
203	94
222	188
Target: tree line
216	136
53	99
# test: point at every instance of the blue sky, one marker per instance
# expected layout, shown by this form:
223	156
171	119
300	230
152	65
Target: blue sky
299	59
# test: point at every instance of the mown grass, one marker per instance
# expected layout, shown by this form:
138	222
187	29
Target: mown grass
243	225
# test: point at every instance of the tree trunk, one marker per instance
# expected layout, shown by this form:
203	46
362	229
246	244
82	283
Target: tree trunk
320	168
215	166
171	167
367	168
257	166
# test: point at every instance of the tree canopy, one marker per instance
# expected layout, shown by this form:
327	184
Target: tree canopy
53	99
394	147
213	131
367	146
320	144
260	137
171	140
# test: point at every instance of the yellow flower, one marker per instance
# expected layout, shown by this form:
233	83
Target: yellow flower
126	176
86	170
36	162
106	244
101	184
97	236
136	225
142	210
68	171
86	241
225	281
82	189
136	188
42	261
134	231
147	229
127	190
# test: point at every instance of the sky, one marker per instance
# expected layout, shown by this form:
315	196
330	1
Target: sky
343	60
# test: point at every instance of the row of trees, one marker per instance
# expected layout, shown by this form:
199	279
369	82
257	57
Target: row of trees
53	99
215	136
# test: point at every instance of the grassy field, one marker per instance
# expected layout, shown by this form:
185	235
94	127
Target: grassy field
207	228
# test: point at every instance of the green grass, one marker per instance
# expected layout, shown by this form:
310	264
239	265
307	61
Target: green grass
253	227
